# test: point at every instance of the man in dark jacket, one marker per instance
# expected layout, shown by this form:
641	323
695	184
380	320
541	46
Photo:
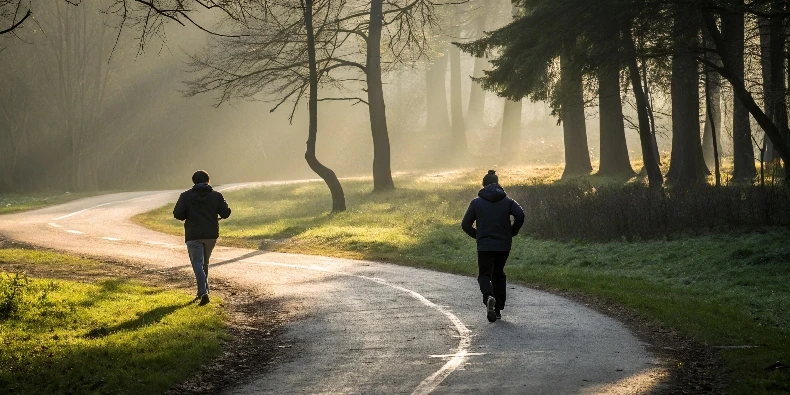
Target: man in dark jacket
494	231
200	208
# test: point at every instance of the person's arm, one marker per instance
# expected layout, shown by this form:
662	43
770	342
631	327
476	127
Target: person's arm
466	223
180	210
224	209
518	217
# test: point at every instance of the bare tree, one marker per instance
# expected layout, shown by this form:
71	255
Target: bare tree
13	14
351	36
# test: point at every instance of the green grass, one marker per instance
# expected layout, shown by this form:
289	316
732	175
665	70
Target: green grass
14	202
720	289
103	336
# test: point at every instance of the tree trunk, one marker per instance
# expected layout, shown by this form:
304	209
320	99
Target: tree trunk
654	177
382	173
477	96
614	151
437	120
686	165
743	150
510	141
326	174
712	113
577	153
765	64
459	146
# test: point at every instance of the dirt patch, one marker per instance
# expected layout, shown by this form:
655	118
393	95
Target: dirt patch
254	320
693	367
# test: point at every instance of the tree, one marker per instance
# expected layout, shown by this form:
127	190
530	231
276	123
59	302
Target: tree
338	197
526	65
743	150
460	148
437	119
571	97
712	114
477	96
282	53
614	151
510	140
401	25
775	131
686	165
12	15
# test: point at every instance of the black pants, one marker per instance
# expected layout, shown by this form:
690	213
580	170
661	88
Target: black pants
491	277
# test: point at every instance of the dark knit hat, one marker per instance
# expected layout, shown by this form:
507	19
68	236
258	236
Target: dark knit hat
200	177
490	178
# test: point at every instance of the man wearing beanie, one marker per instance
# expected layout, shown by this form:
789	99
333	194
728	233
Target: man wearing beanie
490	213
200	208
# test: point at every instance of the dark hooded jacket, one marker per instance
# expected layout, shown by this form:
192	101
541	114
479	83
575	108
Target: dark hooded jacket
491	212
200	208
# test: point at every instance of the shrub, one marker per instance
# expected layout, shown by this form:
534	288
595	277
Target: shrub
634	211
13	288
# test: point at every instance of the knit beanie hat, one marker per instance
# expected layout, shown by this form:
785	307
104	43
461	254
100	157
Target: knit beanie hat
490	178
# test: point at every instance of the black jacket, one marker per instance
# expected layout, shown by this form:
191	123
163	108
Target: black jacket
199	208
491	211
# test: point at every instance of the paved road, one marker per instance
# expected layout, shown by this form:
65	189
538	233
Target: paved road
374	328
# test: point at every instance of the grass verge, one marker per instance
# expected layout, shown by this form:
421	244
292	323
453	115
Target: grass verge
78	331
727	291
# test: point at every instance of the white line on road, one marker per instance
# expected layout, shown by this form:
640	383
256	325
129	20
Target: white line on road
55	225
112	238
76	232
469	354
456	359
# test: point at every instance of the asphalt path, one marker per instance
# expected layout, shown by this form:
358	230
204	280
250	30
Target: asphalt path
374	328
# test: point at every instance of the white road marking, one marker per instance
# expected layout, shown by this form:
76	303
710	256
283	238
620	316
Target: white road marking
106	204
112	238
55	225
469	354
76	232
456	359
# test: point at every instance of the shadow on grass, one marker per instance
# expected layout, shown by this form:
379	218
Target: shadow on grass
149	362
153	316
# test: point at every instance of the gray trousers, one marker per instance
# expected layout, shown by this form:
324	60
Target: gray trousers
199	254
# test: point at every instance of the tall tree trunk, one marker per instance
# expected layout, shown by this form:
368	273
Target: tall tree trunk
477	96
614	150
654	177
577	153
743	150
651	116
712	113
326	174
765	64
686	165
437	120
459	146
510	141
382	173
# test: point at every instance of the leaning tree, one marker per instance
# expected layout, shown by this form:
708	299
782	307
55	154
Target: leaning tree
359	42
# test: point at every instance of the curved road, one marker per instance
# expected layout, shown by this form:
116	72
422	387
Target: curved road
374	328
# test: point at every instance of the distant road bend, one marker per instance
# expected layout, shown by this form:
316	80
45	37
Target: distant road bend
374	328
